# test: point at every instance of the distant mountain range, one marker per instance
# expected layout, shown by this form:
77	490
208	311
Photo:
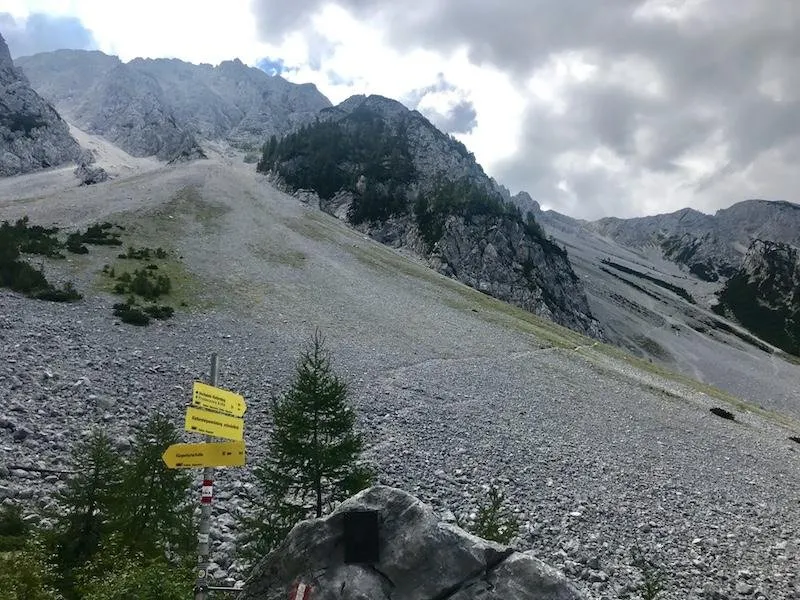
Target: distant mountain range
389	172
163	107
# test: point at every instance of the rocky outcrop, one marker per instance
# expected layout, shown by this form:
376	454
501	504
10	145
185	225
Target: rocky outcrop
32	134
231	101
89	175
496	256
764	295
420	558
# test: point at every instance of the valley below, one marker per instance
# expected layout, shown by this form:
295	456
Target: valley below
598	451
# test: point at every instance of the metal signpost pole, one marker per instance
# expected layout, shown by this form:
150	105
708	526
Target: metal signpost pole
204	541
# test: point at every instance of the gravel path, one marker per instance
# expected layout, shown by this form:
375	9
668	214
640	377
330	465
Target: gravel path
452	392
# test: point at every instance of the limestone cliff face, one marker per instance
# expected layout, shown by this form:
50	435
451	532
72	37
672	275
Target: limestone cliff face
128	108
764	295
32	134
497	256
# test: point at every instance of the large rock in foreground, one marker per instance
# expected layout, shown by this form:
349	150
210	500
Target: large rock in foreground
421	558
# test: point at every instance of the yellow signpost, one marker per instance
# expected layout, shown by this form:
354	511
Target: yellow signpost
214	398
214	424
190	456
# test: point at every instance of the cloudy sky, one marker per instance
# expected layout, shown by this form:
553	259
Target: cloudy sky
596	108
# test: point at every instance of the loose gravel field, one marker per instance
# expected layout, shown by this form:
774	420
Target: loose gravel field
453	389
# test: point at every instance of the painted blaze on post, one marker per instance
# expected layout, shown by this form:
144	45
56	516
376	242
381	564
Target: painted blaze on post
300	591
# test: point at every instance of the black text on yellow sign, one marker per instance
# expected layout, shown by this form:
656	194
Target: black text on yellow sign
214	398
214	424
188	456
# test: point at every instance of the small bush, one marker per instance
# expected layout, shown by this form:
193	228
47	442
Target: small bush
100	235
725	414
494	521
653	577
131	314
66	294
75	244
27	575
14	530
159	312
795	438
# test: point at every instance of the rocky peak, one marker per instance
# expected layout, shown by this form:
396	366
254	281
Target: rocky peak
32	134
7	70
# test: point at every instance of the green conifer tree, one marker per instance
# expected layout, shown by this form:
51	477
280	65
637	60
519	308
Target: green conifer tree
312	455
154	513
88	502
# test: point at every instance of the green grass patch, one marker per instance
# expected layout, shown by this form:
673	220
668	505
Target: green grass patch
272	255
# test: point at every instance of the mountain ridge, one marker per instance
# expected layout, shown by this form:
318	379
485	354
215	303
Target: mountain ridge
162	107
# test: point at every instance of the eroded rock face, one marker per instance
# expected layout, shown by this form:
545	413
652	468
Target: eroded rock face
420	558
493	255
32	134
764	295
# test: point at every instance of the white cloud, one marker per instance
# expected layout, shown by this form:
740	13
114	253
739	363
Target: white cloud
625	111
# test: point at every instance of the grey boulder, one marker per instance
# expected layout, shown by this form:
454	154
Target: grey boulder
420	558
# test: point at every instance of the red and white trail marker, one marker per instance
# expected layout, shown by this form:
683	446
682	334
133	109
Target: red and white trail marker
206	491
300	591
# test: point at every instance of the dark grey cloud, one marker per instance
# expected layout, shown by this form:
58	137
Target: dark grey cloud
460	117
44	33
727	80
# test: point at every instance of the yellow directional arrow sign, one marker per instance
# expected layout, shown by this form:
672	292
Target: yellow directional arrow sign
209	423
214	398
187	456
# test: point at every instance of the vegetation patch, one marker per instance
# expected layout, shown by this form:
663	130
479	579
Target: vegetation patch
143	253
721	412
795	438
143	287
14	529
659	282
99	234
20	276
